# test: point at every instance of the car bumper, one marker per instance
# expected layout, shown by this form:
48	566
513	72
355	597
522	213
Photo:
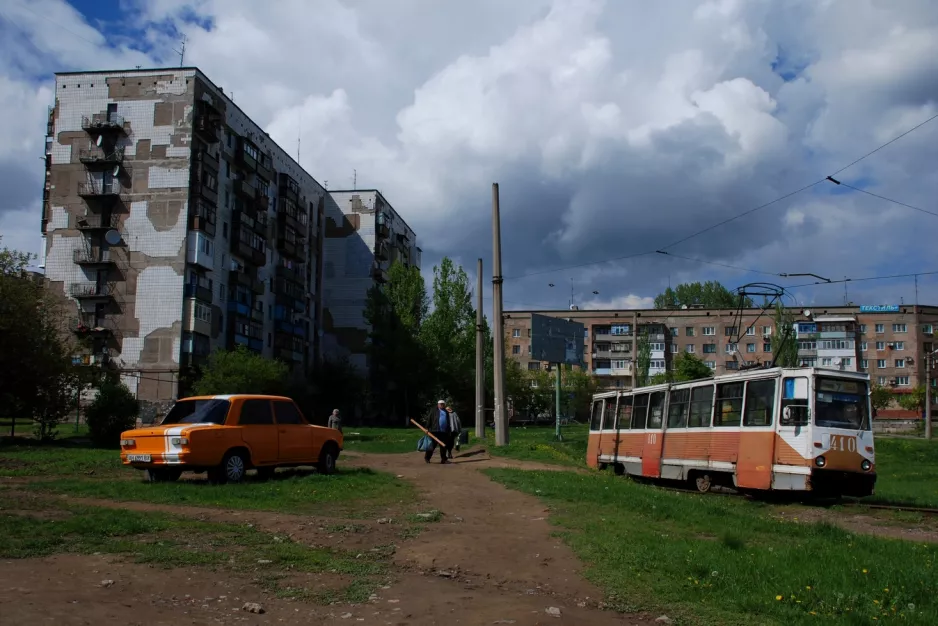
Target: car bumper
144	460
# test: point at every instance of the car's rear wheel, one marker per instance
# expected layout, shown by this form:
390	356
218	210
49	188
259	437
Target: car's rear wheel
162	475
327	459
231	470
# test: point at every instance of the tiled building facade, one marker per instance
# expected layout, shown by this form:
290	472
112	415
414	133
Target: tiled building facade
888	342
364	235
176	226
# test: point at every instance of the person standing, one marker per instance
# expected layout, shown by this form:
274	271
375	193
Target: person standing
440	426
335	421
455	429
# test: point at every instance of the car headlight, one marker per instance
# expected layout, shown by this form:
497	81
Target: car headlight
127	443
866	465
180	441
820	461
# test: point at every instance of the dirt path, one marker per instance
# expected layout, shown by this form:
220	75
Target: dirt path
491	560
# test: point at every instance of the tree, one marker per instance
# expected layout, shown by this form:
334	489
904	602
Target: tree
334	384
880	397
784	343
642	359
579	387
449	336
686	367
711	295
113	411
914	400
241	371
395	313
41	385
530	392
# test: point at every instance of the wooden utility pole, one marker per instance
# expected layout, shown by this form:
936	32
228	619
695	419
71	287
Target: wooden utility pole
928	358
480	357
498	331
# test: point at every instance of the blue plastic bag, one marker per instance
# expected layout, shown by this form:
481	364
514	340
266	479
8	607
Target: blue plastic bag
424	443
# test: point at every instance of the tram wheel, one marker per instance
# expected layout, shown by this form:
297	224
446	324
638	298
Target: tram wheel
703	482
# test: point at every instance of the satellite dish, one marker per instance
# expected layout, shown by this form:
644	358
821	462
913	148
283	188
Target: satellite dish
683	307
97	141
112	237
807	312
117	171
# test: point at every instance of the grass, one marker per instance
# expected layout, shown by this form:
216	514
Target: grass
382	440
356	493
708	559
169	541
27	458
907	472
536	443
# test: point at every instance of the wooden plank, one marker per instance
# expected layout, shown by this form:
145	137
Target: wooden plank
427	432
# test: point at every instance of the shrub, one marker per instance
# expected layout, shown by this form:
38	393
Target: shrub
111	413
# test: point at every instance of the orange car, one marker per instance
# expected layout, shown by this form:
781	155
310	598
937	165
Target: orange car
227	435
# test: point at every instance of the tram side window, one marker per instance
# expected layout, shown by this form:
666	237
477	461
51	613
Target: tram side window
795	410
597	415
701	406
677	408
729	405
640	412
760	403
624	413
655	409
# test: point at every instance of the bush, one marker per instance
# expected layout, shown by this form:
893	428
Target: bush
111	413
241	371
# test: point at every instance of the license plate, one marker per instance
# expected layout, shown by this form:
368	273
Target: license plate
138	458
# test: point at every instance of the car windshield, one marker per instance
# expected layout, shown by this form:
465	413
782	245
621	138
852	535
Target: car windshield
841	404
198	412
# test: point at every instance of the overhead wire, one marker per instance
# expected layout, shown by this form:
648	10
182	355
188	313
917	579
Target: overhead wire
876	195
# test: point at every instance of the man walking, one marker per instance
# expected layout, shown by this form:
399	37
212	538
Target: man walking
440	425
335	421
455	430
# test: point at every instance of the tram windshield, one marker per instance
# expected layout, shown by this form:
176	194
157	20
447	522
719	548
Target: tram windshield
841	404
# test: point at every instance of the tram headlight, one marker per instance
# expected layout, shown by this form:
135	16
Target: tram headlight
820	461
866	465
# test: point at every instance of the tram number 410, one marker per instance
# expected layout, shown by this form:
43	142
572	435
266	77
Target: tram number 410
843	443
652	438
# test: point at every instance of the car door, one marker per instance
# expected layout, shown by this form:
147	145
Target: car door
294	435
256	422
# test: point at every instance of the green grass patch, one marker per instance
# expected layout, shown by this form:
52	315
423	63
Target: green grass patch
176	542
907	472
382	440
348	492
537	443
58	459
706	559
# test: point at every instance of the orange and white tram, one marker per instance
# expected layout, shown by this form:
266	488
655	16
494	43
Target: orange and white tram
801	429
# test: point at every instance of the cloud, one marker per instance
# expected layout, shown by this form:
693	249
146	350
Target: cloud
612	128
630	301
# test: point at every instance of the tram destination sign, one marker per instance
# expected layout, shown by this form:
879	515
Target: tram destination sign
556	340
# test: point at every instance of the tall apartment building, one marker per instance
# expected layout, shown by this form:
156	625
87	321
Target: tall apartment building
364	235
176	226
887	341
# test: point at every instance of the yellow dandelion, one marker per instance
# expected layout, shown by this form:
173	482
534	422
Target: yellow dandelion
865	572
808	587
886	590
875	601
813	612
778	597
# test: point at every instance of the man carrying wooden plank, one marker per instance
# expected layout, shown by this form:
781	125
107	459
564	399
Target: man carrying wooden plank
440	426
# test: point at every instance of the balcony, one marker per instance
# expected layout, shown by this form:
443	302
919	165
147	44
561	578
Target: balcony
206	125
257	314
95	221
206	159
90	325
244	189
202	216
245	251
199	292
381	251
247	154
101	123
92	257
91	291
610	338
97	156
205	185
256	224
295	220
246	280
264	169
90	360
295	249
110	189
288	355
295	275
380	275
382	230
288	188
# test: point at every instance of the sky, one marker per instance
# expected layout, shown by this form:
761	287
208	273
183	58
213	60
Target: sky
616	130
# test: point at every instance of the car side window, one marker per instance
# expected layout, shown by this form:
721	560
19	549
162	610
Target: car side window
256	413
287	413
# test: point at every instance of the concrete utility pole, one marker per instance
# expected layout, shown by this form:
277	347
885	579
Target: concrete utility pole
480	358
557	434
928	358
498	332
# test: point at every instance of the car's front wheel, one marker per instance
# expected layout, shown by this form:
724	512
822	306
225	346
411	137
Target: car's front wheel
327	459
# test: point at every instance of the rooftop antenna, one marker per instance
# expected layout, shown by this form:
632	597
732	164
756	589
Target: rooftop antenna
325	184
354	180
299	128
182	51
845	291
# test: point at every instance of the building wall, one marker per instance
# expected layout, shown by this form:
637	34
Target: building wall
364	236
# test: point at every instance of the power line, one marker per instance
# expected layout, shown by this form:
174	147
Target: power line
875	195
894	139
579	265
865	278
733	267
94	43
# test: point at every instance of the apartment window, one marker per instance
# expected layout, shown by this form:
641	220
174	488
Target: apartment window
864	363
709	331
516	349
880	345
674	348
620	329
730	331
751	331
689	348
657	364
675	332
766	331
222	292
927	347
620	365
927	329
898	328
711	364
880	329
900	362
847	361
808	361
656	347
529	349
900	345
863	346
534	366
529	333
835	344
689	331
730	348
862	329
767	347
880	380
202	312
881	363
710	348
827	361
902	381
750	347
227	199
516	333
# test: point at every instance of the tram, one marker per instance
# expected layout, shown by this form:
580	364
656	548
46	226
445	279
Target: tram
777	429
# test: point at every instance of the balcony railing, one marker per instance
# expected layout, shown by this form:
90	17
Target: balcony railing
92	156
101	122
207	126
99	189
608	337
199	292
92	257
95	221
86	290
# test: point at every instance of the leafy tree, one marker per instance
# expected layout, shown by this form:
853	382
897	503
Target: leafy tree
335	384
642	358
530	392
581	386
784	342
684	367
711	295
914	400
40	386
241	371
113	411
395	313
880	397
449	336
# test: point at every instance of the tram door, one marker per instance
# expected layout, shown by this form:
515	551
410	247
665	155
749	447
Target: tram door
593	449
654	435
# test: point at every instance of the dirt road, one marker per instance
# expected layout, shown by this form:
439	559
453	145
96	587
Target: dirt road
490	560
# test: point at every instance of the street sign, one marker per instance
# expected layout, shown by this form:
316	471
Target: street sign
556	340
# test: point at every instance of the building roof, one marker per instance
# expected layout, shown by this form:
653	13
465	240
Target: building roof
381	195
